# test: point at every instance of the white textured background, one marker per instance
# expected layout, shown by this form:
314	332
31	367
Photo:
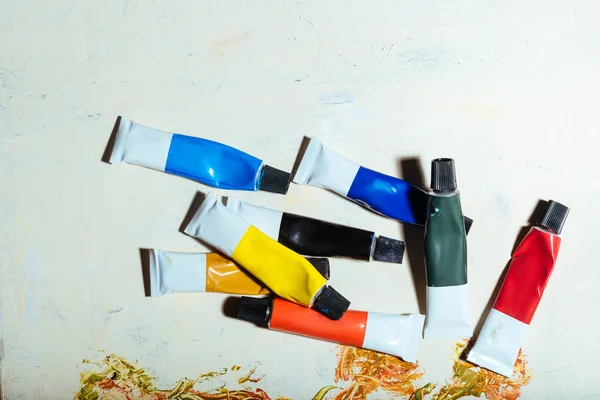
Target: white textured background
509	89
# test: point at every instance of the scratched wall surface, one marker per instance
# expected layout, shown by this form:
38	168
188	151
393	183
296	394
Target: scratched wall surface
509	89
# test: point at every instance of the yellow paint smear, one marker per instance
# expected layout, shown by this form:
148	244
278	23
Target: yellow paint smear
118	379
248	377
470	380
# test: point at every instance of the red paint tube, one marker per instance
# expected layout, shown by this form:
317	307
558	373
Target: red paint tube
531	265
398	335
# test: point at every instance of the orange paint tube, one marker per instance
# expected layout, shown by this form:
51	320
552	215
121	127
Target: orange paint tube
224	276
172	272
398	335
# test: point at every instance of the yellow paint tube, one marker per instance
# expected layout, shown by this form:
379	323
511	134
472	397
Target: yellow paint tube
285	272
288	273
173	272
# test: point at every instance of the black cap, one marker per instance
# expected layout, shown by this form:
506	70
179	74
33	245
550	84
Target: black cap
321	264
468	223
255	309
443	175
389	250
331	304
274	180
553	217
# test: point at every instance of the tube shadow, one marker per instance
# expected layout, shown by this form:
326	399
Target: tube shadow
111	142
537	212
411	171
301	151
490	302
145	260
194	206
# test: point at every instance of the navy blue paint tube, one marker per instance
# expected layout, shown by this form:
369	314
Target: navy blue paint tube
383	194
211	163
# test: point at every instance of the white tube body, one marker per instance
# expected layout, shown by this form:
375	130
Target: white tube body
447	312
498	343
216	225
325	168
265	219
176	272
141	145
398	335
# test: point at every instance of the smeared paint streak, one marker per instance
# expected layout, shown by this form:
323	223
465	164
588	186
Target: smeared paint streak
370	371
321	393
119	379
337	98
422	392
116	310
470	380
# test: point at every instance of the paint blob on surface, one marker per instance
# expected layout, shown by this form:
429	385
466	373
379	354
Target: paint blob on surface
118	379
470	380
370	371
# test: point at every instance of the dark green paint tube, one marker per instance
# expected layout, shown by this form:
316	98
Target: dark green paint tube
446	256
445	242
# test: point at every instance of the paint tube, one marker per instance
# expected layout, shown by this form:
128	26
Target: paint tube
173	272
284	271
383	194
531	265
211	163
398	335
446	257
314	237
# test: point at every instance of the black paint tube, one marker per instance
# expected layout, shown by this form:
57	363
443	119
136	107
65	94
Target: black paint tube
314	237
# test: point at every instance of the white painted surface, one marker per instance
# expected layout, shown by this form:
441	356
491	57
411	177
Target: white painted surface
498	343
323	167
267	220
175	272
398	335
507	89
216	225
448	313
141	145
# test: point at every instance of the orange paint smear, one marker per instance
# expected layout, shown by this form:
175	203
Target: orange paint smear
370	371
366	371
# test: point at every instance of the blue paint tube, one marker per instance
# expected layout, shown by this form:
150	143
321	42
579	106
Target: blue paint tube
383	194
211	163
